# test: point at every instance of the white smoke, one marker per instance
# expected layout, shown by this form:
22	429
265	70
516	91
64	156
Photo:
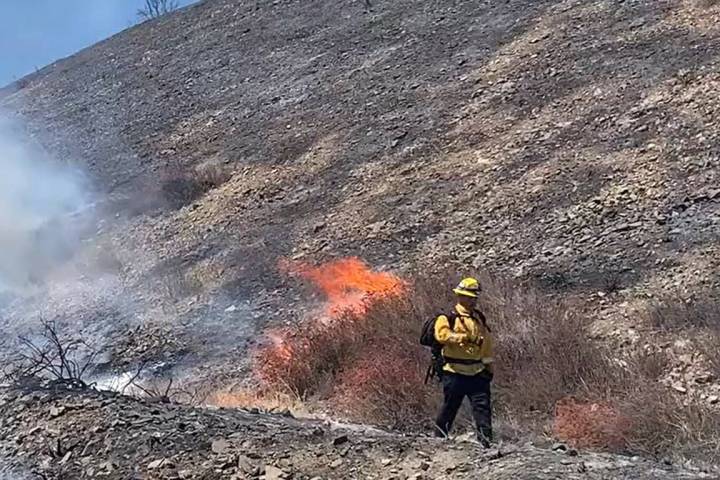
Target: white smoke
37	198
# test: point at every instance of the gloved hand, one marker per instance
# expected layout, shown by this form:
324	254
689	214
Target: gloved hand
471	339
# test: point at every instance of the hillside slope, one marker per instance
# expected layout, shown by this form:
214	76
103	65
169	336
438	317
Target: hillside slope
574	142
555	137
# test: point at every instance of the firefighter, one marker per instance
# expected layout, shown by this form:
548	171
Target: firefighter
467	355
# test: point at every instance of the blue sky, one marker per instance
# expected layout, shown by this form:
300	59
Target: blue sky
34	33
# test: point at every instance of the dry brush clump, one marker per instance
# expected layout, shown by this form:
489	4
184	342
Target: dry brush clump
698	319
384	379
181	186
172	188
543	347
665	424
665	420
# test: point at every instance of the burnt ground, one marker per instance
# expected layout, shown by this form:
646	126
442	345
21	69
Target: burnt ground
64	435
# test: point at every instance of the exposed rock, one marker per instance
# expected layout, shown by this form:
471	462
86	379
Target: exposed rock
274	473
221	446
679	388
160	463
57	411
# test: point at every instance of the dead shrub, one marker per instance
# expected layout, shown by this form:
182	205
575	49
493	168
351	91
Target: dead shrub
52	357
678	315
386	388
611	282
176	284
180	187
384	380
212	174
668	425
698	318
305	359
650	365
709	345
583	424
175	187
543	349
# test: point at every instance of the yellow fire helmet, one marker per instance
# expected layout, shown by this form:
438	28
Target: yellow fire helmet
468	287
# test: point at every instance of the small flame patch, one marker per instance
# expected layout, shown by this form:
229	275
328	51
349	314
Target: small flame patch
348	284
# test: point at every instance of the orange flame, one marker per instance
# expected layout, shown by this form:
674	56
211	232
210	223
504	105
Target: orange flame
348	284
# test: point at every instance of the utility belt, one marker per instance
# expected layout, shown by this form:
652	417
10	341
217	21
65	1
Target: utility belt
485	373
435	369
461	361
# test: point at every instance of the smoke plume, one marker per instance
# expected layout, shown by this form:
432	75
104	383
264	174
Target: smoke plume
38	199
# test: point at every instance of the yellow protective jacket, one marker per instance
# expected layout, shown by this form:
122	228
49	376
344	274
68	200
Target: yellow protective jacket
469	340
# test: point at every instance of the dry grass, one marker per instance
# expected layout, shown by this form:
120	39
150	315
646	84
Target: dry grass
665	424
699	318
543	350
249	399
678	315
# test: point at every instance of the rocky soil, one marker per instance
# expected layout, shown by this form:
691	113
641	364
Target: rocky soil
67	435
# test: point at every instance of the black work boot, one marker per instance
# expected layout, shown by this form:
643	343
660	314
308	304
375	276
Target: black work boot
439	432
485	438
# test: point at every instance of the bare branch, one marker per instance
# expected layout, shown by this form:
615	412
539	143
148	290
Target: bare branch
157	8
134	378
54	357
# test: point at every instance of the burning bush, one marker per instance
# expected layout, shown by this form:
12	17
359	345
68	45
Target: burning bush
302	359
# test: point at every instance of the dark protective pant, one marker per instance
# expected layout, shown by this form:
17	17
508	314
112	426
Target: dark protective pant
477	388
